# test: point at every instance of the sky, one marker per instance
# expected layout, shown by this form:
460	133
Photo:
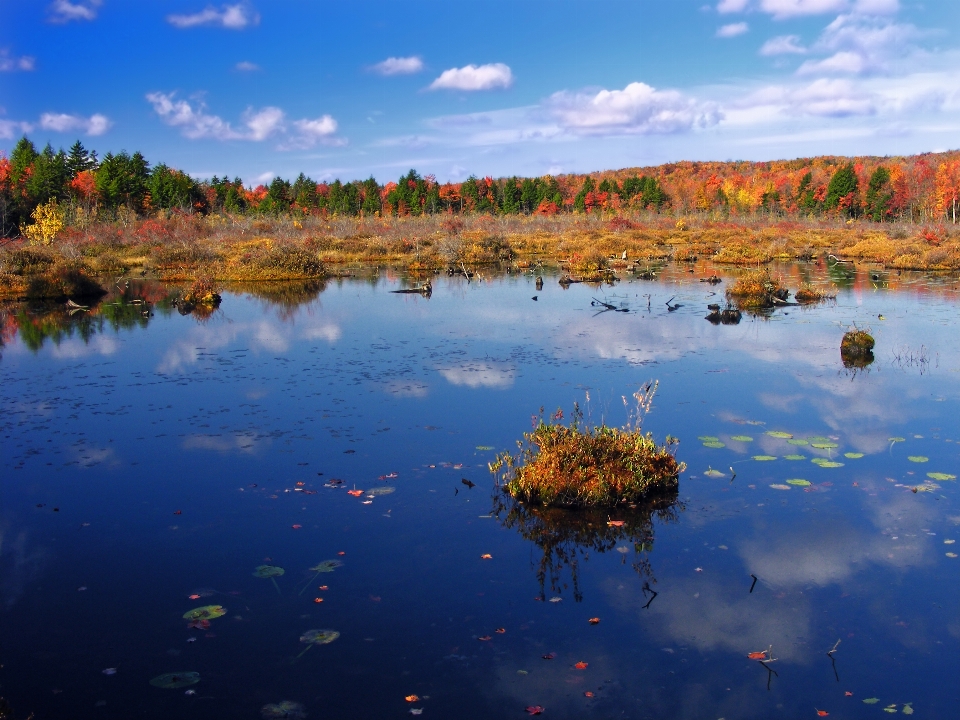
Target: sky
356	88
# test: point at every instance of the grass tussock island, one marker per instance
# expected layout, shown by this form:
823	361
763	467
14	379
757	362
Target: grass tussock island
580	466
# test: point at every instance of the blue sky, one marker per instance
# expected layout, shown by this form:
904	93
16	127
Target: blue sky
502	87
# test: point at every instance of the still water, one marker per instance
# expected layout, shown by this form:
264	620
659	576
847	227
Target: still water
154	464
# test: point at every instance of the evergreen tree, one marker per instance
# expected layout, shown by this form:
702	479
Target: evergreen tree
123	179
48	178
879	195
580	201
842	191
371	197
80	159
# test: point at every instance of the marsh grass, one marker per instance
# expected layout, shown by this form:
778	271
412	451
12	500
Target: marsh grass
578	465
757	289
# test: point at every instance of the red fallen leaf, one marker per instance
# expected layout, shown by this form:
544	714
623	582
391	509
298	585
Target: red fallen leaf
485	637
193	597
587	693
616	523
178	512
534	709
593	621
323	587
411	698
486	556
500	631
341	553
821	713
762	655
318	600
549	656
300	483
355	493
581	665
296	527
848	694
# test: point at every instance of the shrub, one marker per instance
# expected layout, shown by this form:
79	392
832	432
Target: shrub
757	289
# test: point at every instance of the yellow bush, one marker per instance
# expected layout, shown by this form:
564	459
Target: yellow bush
47	222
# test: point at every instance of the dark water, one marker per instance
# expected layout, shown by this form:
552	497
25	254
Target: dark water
146	459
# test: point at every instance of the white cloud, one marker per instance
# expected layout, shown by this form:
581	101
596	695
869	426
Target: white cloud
64	11
479	374
474	77
732	6
96	124
783	45
638	109
399	66
781	9
9	129
231	17
24	63
844	62
257	125
246	66
732	30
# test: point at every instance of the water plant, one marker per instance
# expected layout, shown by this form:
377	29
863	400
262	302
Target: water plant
323	567
269	571
577	465
175	680
317	637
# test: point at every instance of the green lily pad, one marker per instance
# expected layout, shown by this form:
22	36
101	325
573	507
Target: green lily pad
941	476
742	438
319	637
326	566
918	458
824	445
764	458
714	473
819	438
174	680
853	455
207	612
380	491
268	571
871	701
799	482
794	457
286	709
798	441
907	709
778	486
895	440
779	434
484	448
708	438
824	463
714	444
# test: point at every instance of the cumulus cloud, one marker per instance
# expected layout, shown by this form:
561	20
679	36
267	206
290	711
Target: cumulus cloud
11	128
24	63
474	77
256	125
246	66
96	124
231	17
64	11
638	109
732	30
399	66
783	45
732	6
859	45
783	9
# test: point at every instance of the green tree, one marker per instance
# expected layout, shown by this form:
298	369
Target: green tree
123	179
80	159
879	195
48	177
580	201
842	191
171	188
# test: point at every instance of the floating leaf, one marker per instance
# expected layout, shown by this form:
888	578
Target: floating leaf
317	637
285	709
941	476
327	566
268	571
778	486
484	448
411	698
355	492
581	665
714	444
951	554
764	458
799	482
760	655
798	441
819	439
853	455
824	445
175	680
708	438
207	612
824	463
386	490
918	458
742	438
486	556
873	701
534	709
794	457
714	473
907	709
779	434
616	523
895	440
593	621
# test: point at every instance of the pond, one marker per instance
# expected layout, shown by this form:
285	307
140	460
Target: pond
282	508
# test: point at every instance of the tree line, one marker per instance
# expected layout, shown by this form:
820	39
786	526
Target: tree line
919	188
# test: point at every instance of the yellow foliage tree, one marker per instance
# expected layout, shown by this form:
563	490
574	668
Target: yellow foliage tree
47	222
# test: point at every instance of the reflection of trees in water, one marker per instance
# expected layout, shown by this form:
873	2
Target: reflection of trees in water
567	536
286	297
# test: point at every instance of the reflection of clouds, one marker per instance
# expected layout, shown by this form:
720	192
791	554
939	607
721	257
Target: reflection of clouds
329	332
73	348
19	564
722	617
270	336
479	374
246	442
89	456
407	389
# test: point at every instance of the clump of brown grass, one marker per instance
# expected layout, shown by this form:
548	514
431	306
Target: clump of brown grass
811	294
856	343
203	291
577	466
757	289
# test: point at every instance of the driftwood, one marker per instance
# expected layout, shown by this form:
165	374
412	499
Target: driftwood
426	290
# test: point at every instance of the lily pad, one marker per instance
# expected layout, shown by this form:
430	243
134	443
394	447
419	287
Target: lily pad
895	440
380	491
918	458
941	476
871	701
269	571
207	612
799	482
708	438
174	680
484	448
764	458
779	486
798	441
779	434
285	709
317	637
828	445
326	566
824	463
853	455
794	457
714	444
742	438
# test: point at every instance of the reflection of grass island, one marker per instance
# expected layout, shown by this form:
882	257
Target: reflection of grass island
577	466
